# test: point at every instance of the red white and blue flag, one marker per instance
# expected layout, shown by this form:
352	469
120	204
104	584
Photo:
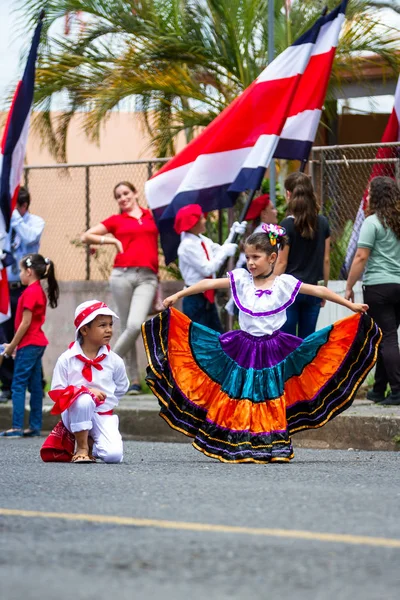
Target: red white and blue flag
232	153
13	147
389	156
300	129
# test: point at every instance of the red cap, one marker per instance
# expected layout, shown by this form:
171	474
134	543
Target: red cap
187	217
257	205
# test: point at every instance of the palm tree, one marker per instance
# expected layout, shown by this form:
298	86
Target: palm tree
182	61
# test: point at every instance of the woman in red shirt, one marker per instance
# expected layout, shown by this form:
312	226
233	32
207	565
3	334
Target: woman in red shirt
30	343
134	276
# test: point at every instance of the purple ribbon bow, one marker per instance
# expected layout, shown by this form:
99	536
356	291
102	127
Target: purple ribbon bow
259	293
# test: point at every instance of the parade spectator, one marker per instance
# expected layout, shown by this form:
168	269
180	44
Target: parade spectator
88	382
30	342
378	252
307	255
200	257
241	394
23	238
133	279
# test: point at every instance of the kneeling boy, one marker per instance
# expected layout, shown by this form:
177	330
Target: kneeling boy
88	381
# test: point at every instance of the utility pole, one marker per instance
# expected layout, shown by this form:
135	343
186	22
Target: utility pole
271	53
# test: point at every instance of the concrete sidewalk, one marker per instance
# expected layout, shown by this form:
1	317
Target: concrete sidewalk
364	426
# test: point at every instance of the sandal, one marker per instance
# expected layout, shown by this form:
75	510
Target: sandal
82	458
12	433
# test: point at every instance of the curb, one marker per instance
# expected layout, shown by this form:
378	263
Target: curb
139	420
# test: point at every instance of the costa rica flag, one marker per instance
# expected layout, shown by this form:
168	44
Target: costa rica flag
13	148
232	153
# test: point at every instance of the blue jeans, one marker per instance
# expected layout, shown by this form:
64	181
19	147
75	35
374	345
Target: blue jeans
28	373
200	310
302	316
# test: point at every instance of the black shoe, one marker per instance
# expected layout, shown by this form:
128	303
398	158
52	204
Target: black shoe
375	396
134	389
5	395
31	433
391	400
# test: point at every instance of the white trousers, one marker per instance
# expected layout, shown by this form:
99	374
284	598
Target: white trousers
81	416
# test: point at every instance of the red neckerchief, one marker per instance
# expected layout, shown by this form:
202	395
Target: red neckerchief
89	363
208	294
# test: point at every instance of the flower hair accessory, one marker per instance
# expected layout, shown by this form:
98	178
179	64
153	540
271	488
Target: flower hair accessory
274	232
47	261
28	262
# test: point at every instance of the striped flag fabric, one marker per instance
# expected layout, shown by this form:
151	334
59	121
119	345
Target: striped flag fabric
390	135
13	147
305	111
233	151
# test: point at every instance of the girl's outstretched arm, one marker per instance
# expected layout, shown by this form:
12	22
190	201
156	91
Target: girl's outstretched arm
198	288
322	292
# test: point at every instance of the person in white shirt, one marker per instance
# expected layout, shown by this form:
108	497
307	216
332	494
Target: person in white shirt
23	238
88	381
199	258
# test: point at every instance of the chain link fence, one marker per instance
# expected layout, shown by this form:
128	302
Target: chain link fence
340	175
72	198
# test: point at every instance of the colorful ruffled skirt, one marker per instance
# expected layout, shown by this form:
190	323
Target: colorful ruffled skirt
240	396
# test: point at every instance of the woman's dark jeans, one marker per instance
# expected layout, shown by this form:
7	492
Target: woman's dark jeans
28	374
302	316
200	310
384	307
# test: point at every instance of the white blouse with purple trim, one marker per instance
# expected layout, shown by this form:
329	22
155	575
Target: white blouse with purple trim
261	312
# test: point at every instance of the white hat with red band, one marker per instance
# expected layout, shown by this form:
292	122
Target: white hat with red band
88	311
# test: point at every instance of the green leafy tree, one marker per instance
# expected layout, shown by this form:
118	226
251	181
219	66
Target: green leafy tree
182	61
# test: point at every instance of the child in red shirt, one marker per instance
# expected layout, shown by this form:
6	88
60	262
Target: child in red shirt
30	342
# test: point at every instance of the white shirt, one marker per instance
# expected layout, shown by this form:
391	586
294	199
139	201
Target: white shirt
112	379
28	231
193	262
261	312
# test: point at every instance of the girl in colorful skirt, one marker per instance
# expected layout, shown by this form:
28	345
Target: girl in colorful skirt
242	394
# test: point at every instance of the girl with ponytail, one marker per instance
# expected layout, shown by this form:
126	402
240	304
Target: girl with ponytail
241	394
29	343
307	254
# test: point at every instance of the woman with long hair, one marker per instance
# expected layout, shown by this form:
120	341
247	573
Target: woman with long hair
133	279
306	256
379	254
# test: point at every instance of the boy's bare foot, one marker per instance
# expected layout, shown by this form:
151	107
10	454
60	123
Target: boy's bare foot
82	448
91	444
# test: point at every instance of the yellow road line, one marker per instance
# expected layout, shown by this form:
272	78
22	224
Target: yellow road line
208	527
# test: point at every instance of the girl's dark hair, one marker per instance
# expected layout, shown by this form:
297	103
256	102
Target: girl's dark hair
261	241
302	204
384	201
128	184
43	269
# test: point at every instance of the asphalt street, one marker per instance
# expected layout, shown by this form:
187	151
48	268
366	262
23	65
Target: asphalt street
171	523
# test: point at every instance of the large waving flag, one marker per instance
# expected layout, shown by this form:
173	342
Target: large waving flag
388	169
13	147
232	153
305	111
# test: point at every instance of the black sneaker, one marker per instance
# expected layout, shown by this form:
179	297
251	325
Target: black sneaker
134	389
5	395
375	396
391	400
